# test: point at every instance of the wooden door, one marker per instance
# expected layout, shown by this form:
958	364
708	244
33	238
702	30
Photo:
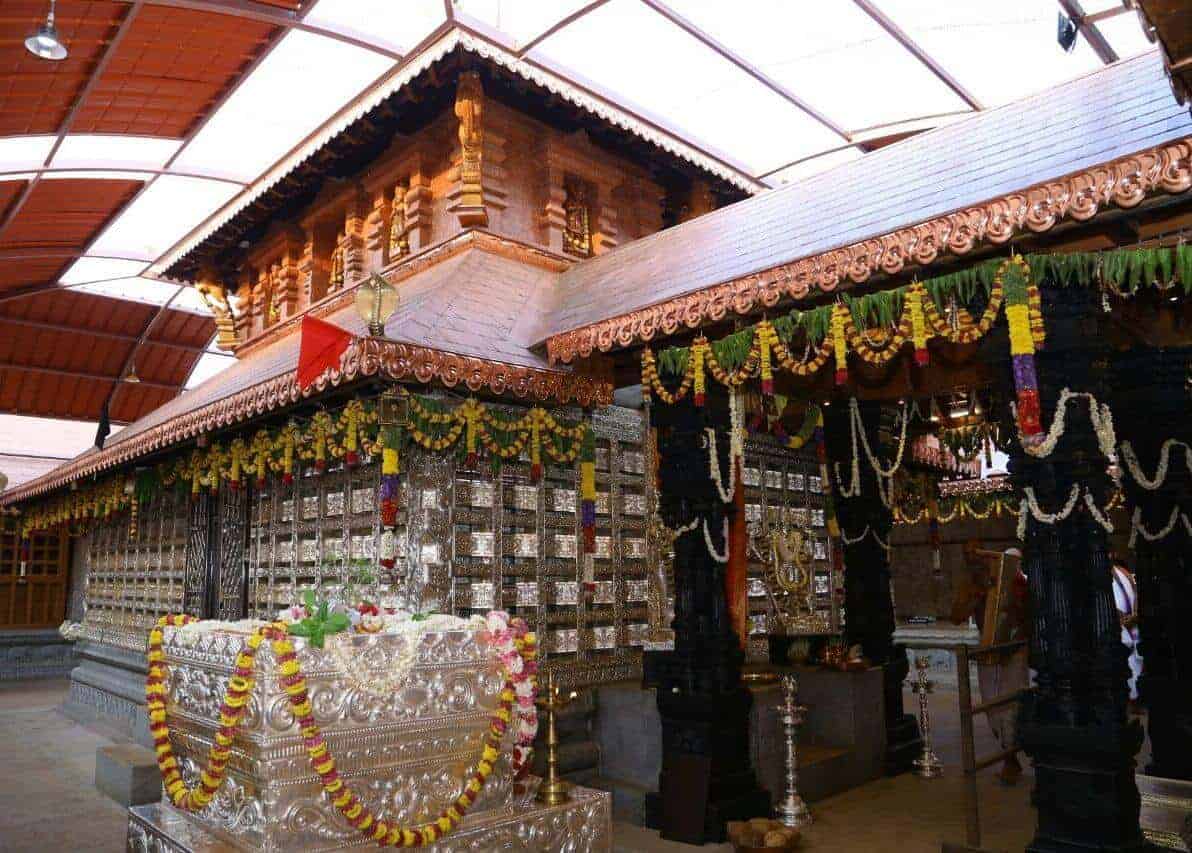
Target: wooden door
33	577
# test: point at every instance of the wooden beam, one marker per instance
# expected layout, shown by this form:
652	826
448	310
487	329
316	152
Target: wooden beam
746	66
42	326
81	374
265	14
904	39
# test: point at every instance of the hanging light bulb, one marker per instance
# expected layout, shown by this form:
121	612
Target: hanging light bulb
131	377
45	43
976	403
935	411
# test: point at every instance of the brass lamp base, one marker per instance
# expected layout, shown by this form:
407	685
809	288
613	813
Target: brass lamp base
554	792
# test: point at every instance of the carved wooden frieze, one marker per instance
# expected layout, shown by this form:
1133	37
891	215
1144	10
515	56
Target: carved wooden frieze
468	197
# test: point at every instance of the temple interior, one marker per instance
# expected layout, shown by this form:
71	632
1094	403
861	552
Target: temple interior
635	425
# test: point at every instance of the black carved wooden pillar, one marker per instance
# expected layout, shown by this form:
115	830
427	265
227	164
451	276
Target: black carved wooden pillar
706	777
1152	407
869	608
1074	725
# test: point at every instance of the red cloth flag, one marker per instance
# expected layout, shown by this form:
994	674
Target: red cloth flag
321	346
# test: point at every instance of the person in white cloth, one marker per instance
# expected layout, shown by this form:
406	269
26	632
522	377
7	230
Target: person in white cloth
998	673
1125	596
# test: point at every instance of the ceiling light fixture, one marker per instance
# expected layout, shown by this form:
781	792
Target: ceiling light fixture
45	43
131	377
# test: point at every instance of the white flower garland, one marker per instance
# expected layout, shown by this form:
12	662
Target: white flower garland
355	665
1136	526
686	528
859	426
1131	460
726	495
868	531
1102	518
720	558
885	477
1030	504
1099	414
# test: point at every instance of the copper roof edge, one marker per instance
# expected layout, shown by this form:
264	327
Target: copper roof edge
365	358
1125	182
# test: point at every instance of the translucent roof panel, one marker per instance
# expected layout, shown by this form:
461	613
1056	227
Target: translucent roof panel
813	166
150	291
101	151
209	364
837	58
88	269
298	86
1000	51
22	153
160	216
682	84
523	20
378	21
96	175
1125	35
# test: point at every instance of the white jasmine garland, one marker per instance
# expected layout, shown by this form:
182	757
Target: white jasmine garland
1131	460
1030	504
868	531
720	558
726	495
1137	527
1100	415
1100	517
859	426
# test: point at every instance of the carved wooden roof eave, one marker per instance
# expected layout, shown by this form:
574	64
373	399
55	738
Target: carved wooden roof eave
365	358
1125	182
459	37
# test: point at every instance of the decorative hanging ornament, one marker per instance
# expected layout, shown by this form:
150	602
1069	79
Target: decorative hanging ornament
840	341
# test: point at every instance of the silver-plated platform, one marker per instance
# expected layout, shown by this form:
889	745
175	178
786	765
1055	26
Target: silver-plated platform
583	825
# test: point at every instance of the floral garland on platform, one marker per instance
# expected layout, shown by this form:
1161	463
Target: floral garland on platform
516	648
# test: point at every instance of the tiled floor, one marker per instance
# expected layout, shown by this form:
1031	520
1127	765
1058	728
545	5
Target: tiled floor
904	814
48	801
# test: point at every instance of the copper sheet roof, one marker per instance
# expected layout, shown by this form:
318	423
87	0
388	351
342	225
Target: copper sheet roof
1123	109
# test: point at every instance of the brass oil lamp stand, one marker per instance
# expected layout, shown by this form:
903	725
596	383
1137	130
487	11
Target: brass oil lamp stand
553	791
791	811
928	764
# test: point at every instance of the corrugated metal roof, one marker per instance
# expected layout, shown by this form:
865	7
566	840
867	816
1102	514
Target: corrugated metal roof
1112	113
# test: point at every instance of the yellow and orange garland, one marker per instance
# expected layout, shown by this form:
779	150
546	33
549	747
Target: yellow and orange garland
231	712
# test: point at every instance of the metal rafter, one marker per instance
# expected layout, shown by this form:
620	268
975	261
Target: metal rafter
1088	29
887	24
748	67
558	25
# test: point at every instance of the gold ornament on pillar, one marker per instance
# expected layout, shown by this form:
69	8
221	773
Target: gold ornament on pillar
469	109
399	242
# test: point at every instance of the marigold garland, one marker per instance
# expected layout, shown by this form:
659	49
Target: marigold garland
345	434
517	648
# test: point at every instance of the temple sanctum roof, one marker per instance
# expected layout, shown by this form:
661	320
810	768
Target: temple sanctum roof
1116	112
466	321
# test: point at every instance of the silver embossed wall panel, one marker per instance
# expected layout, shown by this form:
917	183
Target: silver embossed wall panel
783	491
132	578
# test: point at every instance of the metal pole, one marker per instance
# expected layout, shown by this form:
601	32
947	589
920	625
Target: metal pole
967	756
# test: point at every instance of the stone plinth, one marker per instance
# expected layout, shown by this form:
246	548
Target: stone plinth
127	773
